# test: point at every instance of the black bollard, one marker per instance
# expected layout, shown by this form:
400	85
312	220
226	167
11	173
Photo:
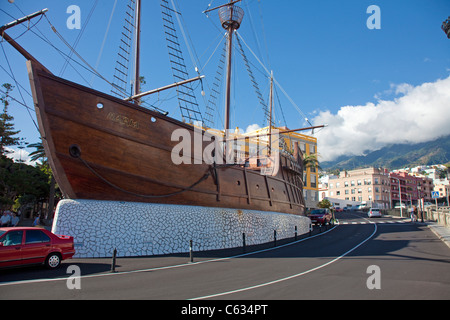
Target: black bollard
295	237
191	253
113	262
274	238
243	242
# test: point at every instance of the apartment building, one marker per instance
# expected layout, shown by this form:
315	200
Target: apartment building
379	188
444	192
370	186
308	145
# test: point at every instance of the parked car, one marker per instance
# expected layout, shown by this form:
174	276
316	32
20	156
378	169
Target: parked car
339	209
320	216
27	245
374	212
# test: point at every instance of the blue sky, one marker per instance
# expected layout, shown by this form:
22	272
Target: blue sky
334	68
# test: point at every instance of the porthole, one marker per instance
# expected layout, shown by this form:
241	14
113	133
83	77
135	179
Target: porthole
75	151
99	105
238	183
257	186
153	119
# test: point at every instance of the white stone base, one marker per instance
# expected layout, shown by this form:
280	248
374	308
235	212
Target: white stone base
140	229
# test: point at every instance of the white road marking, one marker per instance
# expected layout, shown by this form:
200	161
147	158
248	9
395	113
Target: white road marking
163	268
290	277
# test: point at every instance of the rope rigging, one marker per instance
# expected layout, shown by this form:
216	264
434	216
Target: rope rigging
187	100
189	107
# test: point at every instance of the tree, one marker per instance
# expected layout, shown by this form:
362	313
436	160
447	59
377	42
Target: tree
21	183
7	132
39	153
311	161
325	203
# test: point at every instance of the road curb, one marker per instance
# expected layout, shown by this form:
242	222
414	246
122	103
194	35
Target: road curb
442	232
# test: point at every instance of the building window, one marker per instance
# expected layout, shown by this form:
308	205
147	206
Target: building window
313	181
303	147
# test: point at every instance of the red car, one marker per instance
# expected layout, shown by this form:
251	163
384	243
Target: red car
321	216
23	246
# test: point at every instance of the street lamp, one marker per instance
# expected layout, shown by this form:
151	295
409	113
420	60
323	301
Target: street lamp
420	201
400	195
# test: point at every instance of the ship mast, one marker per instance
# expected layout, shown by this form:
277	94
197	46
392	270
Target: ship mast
270	112
231	17
137	48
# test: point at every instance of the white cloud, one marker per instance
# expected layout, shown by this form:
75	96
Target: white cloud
252	127
20	155
420	114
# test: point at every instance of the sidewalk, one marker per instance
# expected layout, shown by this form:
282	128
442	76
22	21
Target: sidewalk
440	231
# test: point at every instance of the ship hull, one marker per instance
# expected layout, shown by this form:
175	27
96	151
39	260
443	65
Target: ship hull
103	148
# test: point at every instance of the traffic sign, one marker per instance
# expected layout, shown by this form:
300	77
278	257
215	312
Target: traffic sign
435	194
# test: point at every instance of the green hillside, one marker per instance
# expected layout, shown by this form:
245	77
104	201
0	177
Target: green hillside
397	156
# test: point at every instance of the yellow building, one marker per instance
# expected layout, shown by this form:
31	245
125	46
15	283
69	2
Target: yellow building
308	145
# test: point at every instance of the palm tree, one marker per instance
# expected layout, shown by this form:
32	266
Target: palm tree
311	161
38	153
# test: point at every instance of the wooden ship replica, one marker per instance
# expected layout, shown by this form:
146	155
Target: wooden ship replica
103	147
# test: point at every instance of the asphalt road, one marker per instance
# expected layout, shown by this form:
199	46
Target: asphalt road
360	258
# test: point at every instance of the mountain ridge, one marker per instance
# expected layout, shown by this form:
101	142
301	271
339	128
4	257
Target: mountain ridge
396	156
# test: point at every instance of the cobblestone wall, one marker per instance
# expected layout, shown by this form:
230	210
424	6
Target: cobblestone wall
137	229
